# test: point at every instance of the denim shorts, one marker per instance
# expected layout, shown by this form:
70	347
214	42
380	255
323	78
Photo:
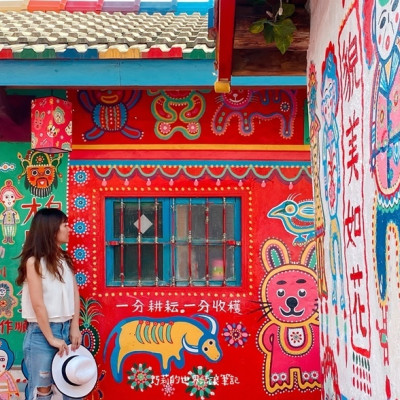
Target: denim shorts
38	357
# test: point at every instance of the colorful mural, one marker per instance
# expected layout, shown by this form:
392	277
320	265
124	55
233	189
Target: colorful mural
21	197
188	116
182	341
9	221
192	337
9	387
289	295
356	62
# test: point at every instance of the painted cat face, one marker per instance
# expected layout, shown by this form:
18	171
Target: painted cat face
291	292
237	98
387	16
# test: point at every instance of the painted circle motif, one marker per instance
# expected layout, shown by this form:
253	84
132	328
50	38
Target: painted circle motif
140	377
81	278
235	334
80	177
80	254
81	202
80	227
285	106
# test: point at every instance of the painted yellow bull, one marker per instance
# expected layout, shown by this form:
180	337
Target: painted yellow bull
165	338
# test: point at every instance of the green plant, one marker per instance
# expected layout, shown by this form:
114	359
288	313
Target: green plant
277	27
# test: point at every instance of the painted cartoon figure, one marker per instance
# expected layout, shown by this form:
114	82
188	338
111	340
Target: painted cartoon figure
109	109
177	111
385	133
8	386
9	218
7	299
315	127
289	339
332	185
165	338
248	105
297	218
40	170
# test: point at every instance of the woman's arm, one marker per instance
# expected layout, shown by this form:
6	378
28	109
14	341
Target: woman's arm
35	287
75	334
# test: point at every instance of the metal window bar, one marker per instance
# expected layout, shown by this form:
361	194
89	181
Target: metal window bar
190	243
224	241
173	244
156	240
207	242
139	244
121	243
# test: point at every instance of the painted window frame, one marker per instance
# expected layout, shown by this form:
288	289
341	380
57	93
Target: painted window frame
167	240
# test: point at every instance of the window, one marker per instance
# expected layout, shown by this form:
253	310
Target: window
173	241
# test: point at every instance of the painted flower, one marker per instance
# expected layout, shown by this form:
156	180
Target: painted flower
81	202
80	177
314	375
80	227
140	377
200	383
81	278
235	334
193	127
296	336
168	389
285	106
80	253
165	128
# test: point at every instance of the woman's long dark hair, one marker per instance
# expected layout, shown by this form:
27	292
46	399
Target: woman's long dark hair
41	241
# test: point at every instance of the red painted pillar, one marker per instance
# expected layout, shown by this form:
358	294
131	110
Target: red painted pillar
224	49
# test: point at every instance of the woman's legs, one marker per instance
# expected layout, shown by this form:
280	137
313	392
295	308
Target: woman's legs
38	357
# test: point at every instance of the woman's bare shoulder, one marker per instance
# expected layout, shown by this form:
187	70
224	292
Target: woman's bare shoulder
30	264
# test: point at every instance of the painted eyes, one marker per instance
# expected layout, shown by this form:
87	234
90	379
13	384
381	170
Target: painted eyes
301	292
290	209
35	172
210	343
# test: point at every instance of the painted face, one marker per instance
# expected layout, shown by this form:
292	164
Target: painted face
292	294
3	361
109	97
386	26
40	176
63	233
328	100
237	98
8	199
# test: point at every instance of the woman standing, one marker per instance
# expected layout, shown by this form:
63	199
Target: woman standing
50	299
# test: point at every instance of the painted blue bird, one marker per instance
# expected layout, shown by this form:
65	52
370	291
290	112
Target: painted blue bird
297	218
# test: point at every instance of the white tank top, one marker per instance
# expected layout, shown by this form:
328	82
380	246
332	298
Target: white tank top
58	296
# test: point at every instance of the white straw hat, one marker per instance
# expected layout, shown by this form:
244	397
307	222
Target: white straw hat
75	374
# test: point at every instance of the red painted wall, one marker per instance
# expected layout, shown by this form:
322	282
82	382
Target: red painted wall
199	144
